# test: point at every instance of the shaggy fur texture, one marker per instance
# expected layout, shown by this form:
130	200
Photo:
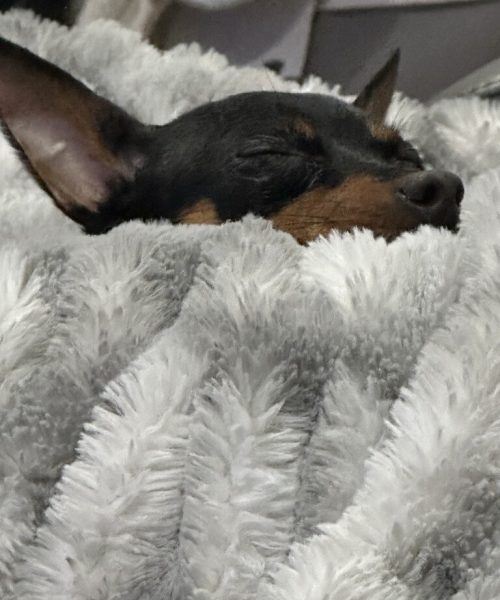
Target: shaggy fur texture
216	412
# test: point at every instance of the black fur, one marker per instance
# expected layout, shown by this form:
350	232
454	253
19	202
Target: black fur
248	154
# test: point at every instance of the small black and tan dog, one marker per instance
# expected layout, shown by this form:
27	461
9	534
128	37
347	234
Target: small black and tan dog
309	163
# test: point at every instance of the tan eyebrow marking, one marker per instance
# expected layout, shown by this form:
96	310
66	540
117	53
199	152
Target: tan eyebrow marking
202	212
304	128
385	133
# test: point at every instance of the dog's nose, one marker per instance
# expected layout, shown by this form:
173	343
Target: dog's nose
435	194
428	188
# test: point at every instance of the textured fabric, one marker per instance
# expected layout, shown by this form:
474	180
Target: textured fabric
216	412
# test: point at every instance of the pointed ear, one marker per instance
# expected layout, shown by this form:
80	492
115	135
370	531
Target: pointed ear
377	95
79	146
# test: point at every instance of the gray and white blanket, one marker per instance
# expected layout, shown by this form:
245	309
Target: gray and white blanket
218	413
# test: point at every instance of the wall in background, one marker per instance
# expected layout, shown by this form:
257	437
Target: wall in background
439	44
254	33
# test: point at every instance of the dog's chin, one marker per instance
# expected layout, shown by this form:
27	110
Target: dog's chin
448	221
451	222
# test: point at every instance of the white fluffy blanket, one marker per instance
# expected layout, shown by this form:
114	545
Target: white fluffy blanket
216	412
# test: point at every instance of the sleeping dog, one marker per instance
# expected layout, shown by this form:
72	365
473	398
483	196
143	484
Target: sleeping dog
310	163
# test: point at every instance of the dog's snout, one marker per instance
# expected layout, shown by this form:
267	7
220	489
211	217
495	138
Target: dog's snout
429	189
435	196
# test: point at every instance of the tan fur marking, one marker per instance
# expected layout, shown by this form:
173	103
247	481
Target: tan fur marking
202	212
384	133
361	201
304	128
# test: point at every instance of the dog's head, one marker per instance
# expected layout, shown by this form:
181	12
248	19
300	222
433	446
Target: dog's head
310	163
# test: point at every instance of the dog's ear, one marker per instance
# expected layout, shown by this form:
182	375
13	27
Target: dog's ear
80	147
377	95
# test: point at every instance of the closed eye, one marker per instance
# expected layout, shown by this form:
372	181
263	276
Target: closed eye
266	152
408	154
263	145
274	168
402	152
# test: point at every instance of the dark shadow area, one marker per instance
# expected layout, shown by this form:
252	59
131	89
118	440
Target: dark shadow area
58	10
